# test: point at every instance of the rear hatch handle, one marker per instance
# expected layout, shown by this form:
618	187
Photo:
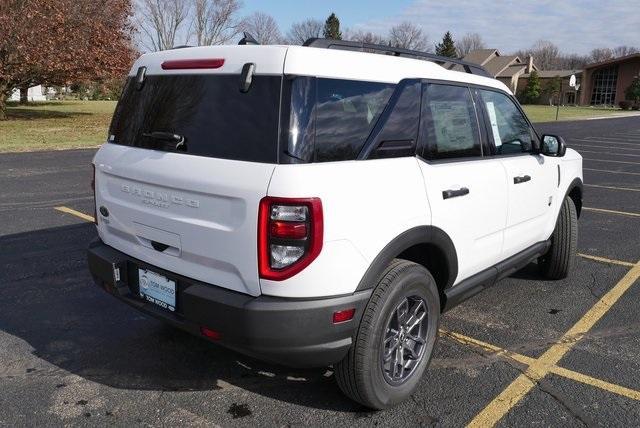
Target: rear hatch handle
168	137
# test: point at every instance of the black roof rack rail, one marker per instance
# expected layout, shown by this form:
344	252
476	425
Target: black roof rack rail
446	62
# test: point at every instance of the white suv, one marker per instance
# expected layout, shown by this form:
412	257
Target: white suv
314	205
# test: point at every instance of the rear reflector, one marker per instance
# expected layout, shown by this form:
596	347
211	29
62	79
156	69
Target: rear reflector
342	316
190	64
210	334
288	229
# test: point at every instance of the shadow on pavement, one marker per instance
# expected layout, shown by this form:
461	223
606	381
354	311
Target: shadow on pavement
50	301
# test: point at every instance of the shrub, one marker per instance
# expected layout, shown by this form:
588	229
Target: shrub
625	105
636	107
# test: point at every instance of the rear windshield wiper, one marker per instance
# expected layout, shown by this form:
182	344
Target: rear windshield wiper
168	137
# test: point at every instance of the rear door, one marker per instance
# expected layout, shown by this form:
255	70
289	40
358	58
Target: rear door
531	178
466	190
189	203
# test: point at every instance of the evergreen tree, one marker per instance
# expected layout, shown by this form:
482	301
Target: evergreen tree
447	47
332	28
633	91
531	92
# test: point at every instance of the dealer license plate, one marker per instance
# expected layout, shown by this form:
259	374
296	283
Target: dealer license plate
157	289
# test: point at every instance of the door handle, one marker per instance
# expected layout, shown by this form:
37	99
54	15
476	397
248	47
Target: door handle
452	193
521	179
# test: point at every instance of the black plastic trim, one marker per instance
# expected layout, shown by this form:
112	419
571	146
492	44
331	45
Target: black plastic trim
488	277
293	332
417	235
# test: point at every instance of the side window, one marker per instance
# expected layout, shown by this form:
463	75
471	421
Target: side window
510	130
450	125
346	112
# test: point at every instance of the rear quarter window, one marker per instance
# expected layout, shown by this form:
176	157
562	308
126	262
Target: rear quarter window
209	111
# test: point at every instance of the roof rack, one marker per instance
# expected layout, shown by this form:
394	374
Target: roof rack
446	62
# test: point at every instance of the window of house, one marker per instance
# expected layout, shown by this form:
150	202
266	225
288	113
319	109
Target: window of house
604	86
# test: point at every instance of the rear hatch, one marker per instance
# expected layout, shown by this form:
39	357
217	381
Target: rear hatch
189	158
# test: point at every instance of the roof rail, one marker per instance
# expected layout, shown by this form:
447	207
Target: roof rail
446	62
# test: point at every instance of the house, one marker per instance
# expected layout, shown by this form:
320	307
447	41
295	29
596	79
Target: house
506	68
35	93
570	96
606	82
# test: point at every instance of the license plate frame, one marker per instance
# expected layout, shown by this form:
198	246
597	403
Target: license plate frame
157	289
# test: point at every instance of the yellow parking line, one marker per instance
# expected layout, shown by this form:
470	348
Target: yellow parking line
78	214
601	147
612	187
605	260
605	142
521	386
612	172
557	370
612	161
602	210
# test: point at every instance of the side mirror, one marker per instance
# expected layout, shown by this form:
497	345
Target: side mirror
553	145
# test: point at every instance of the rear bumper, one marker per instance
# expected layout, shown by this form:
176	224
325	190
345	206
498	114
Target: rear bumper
292	332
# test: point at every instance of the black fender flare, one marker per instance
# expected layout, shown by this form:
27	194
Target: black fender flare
576	183
417	235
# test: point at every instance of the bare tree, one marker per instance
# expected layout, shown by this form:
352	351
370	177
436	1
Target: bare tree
300	32
161	21
214	21
263	27
409	36
624	51
469	42
600	54
364	37
546	55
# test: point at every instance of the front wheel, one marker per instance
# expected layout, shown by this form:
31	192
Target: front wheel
395	339
560	258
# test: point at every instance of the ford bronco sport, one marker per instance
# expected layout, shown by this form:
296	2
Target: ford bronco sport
323	204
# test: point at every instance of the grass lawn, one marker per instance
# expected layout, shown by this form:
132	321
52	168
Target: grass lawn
55	125
538	113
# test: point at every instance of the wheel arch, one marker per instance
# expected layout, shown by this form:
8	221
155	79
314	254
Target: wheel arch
574	191
428	246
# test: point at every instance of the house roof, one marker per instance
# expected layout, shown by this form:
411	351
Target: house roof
545	74
612	61
498	65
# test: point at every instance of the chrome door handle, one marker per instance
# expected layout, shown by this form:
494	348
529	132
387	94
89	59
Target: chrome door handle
521	179
453	193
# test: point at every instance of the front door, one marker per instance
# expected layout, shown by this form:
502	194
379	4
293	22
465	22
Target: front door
531	178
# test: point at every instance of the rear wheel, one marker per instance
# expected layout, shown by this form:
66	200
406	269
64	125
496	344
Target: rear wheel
395	338
560	258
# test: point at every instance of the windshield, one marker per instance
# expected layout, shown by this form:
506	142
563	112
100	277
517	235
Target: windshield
209	112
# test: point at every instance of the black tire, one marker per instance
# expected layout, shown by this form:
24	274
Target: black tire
560	258
361	375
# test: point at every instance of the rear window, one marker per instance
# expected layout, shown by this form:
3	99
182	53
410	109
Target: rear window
330	119
209	111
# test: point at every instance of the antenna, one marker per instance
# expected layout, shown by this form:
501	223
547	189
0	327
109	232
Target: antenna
248	39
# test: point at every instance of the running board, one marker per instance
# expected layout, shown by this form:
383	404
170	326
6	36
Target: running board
486	278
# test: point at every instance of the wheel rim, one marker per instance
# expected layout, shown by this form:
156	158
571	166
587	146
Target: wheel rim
404	340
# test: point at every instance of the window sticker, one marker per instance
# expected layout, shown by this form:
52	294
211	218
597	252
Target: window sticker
452	123
494	123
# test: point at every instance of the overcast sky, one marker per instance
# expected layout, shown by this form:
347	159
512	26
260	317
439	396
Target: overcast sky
574	25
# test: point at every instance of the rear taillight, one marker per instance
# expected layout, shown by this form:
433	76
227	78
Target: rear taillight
93	188
289	235
193	64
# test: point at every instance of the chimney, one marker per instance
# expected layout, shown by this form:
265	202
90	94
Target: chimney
530	64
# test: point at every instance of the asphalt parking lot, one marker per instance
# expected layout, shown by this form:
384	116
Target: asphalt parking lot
525	352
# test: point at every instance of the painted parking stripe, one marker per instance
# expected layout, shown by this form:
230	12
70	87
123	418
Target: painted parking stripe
610	154
524	383
528	361
612	187
73	212
579	145
605	211
612	161
603	142
606	260
611	172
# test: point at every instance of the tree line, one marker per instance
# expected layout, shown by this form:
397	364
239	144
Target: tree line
65	42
